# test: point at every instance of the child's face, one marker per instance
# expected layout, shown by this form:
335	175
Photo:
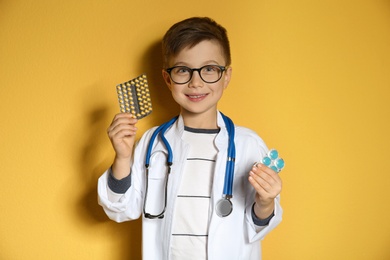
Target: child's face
196	96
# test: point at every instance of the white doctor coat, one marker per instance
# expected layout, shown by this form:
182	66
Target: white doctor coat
231	237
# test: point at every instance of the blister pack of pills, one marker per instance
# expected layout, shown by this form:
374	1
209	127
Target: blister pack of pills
273	161
134	97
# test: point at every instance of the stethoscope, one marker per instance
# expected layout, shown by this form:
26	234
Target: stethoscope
224	206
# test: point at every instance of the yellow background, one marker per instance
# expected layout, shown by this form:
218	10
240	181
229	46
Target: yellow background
311	77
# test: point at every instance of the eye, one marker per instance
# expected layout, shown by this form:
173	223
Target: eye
210	69
181	70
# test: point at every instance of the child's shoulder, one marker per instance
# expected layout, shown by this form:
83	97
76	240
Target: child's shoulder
245	131
245	134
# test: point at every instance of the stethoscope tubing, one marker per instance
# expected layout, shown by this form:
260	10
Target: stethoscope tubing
229	171
231	157
160	131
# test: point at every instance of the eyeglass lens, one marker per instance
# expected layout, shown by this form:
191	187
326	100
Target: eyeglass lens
208	73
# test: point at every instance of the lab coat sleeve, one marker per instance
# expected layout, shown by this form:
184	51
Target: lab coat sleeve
126	206
255	149
119	207
259	232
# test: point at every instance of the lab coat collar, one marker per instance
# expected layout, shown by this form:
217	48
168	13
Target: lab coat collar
220	141
179	125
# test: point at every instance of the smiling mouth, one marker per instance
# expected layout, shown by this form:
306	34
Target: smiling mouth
196	96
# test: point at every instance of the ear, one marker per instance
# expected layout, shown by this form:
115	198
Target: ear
227	77
167	79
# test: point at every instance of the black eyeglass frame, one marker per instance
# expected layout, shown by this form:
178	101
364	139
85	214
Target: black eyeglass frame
222	68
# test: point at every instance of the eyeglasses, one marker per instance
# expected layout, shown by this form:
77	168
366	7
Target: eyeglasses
208	73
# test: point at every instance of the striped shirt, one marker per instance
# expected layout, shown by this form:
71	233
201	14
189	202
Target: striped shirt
192	210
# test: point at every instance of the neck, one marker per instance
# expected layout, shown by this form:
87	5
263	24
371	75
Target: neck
200	121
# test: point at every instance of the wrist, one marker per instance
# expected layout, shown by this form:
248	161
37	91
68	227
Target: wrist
122	159
121	167
261	222
261	203
264	210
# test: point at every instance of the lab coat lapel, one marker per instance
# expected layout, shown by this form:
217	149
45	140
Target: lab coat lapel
221	142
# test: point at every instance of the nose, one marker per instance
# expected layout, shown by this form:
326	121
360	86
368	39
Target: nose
196	80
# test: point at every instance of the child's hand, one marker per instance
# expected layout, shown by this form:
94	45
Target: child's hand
268	185
122	133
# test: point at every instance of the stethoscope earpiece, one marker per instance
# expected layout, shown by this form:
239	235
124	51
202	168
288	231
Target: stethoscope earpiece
150	216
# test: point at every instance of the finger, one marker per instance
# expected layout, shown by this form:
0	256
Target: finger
260	185
266	179
267	173
256	185
263	191
122	131
263	173
122	120
124	115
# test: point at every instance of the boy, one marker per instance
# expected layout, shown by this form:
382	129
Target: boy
182	218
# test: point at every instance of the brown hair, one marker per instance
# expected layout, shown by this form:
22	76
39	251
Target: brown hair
189	33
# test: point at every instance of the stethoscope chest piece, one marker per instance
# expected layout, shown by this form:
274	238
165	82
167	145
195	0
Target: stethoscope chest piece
224	207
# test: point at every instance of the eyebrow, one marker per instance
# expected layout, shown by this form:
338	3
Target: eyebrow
209	62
